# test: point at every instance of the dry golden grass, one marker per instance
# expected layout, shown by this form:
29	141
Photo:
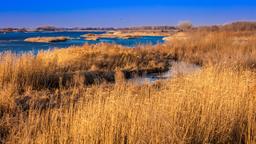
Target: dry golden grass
124	34
45	69
214	105
47	39
211	106
216	47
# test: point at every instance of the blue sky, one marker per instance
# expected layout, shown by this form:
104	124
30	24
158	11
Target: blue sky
122	13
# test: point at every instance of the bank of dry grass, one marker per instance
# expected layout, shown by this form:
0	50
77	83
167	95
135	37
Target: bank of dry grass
47	39
211	106
47	67
201	47
214	105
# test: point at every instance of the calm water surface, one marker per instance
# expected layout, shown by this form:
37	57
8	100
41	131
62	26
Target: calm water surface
14	41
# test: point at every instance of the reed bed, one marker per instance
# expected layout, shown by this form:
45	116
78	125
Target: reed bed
45	69
213	105
230	48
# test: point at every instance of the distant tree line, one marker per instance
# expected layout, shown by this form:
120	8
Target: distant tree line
150	28
13	30
236	26
183	26
52	28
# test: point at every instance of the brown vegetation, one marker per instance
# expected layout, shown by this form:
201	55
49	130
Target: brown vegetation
185	25
125	34
214	105
231	27
45	69
230	48
47	39
178	36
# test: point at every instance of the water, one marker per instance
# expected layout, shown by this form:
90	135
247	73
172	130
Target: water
14	41
177	68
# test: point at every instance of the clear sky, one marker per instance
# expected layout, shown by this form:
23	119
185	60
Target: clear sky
122	13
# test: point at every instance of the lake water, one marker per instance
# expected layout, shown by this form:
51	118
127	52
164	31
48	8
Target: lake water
177	68
14	41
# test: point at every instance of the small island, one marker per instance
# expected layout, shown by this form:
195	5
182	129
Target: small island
123	35
111	34
47	39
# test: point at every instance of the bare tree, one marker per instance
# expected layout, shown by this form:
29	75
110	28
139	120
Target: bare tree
185	25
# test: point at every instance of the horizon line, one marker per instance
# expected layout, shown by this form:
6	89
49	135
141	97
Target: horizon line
131	26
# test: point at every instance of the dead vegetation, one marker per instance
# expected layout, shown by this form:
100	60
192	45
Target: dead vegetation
230	48
47	39
95	62
214	105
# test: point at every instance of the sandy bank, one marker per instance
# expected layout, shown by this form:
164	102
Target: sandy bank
177	36
47	39
122	35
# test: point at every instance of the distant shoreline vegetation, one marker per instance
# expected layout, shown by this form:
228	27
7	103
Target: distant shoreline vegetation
238	26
